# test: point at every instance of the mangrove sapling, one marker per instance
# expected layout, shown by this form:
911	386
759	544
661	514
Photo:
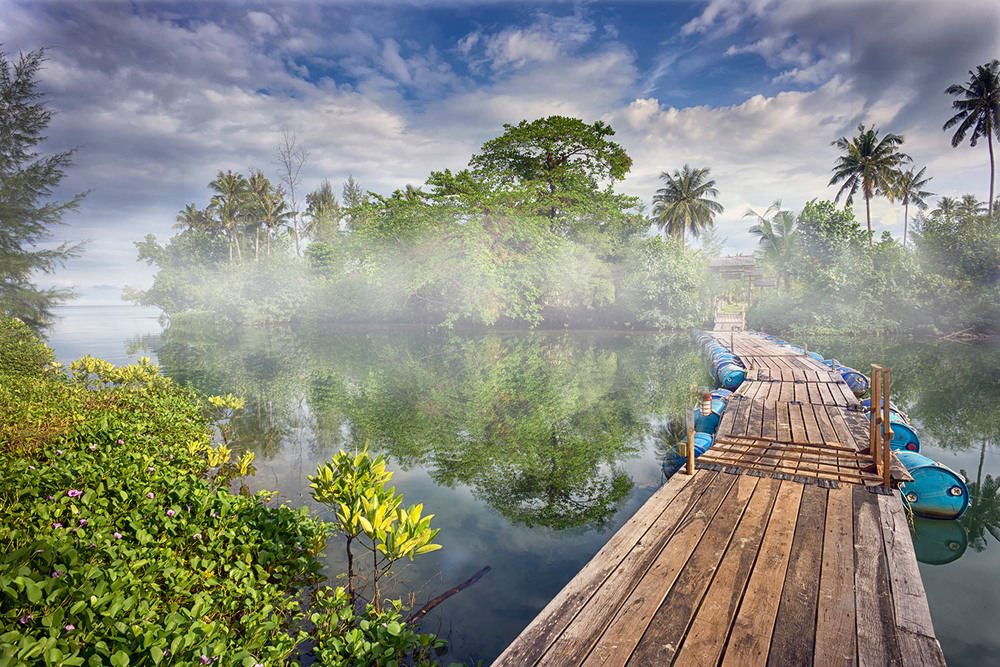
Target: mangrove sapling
364	509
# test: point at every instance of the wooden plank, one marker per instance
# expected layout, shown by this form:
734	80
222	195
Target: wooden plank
908	598
751	632
795	628
666	607
706	637
783	418
835	619
918	650
683	520
536	638
876	629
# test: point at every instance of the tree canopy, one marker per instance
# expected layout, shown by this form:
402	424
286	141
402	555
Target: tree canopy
686	202
868	163
978	111
27	180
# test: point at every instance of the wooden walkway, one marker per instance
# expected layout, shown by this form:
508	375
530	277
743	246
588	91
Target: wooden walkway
780	550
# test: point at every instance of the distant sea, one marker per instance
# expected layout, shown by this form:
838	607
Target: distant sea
117	333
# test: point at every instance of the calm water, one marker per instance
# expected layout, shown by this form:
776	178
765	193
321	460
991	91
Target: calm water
532	448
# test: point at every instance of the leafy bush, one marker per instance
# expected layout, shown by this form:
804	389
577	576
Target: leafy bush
117	548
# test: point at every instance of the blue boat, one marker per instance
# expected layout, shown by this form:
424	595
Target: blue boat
936	492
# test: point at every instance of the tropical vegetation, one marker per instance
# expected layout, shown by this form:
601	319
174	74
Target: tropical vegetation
978	112
121	544
27	180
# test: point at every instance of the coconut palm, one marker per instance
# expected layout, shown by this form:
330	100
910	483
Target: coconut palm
191	218
978	111
227	202
909	191
946	208
969	205
868	163
685	203
777	236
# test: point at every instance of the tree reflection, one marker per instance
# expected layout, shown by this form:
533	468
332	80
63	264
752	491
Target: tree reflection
983	515
536	425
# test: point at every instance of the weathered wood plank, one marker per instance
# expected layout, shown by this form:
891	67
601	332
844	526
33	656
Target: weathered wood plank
706	637
835	619
920	651
876	629
751	633
536	638
660	609
912	612
683	522
795	627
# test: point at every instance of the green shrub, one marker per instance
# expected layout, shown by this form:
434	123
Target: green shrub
116	547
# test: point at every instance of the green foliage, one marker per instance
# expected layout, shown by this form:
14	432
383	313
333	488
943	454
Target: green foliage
354	487
870	164
117	547
20	352
373	639
27	180
685	204
664	285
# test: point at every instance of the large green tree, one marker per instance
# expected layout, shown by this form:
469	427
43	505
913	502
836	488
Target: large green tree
563	166
27	180
908	189
868	163
686	203
978	111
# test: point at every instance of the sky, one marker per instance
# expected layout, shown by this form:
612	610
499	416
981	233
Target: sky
160	96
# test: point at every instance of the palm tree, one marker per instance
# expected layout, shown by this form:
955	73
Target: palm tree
230	195
969	205
869	163
946	208
191	218
908	189
685	203
979	111
776	236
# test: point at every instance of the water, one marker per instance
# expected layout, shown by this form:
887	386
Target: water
532	448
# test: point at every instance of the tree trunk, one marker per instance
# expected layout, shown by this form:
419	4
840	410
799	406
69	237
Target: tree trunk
868	216
989	142
906	221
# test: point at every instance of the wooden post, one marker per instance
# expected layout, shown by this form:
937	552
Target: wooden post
886	428
690	450
873	434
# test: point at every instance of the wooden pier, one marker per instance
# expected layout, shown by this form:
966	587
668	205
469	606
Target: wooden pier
783	548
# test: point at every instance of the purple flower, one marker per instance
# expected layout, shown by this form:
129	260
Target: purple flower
70	627
149	495
58	451
92	546
121	442
92	447
118	536
73	493
170	512
197	536
205	660
150	469
31	467
24	619
58	573
83	522
56	524
171	457
50	497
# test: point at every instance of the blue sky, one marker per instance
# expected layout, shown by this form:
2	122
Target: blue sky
160	96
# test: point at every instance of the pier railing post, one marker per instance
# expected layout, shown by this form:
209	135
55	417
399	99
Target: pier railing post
886	429
873	423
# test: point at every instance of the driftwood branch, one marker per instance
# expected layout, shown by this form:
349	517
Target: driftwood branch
420	613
